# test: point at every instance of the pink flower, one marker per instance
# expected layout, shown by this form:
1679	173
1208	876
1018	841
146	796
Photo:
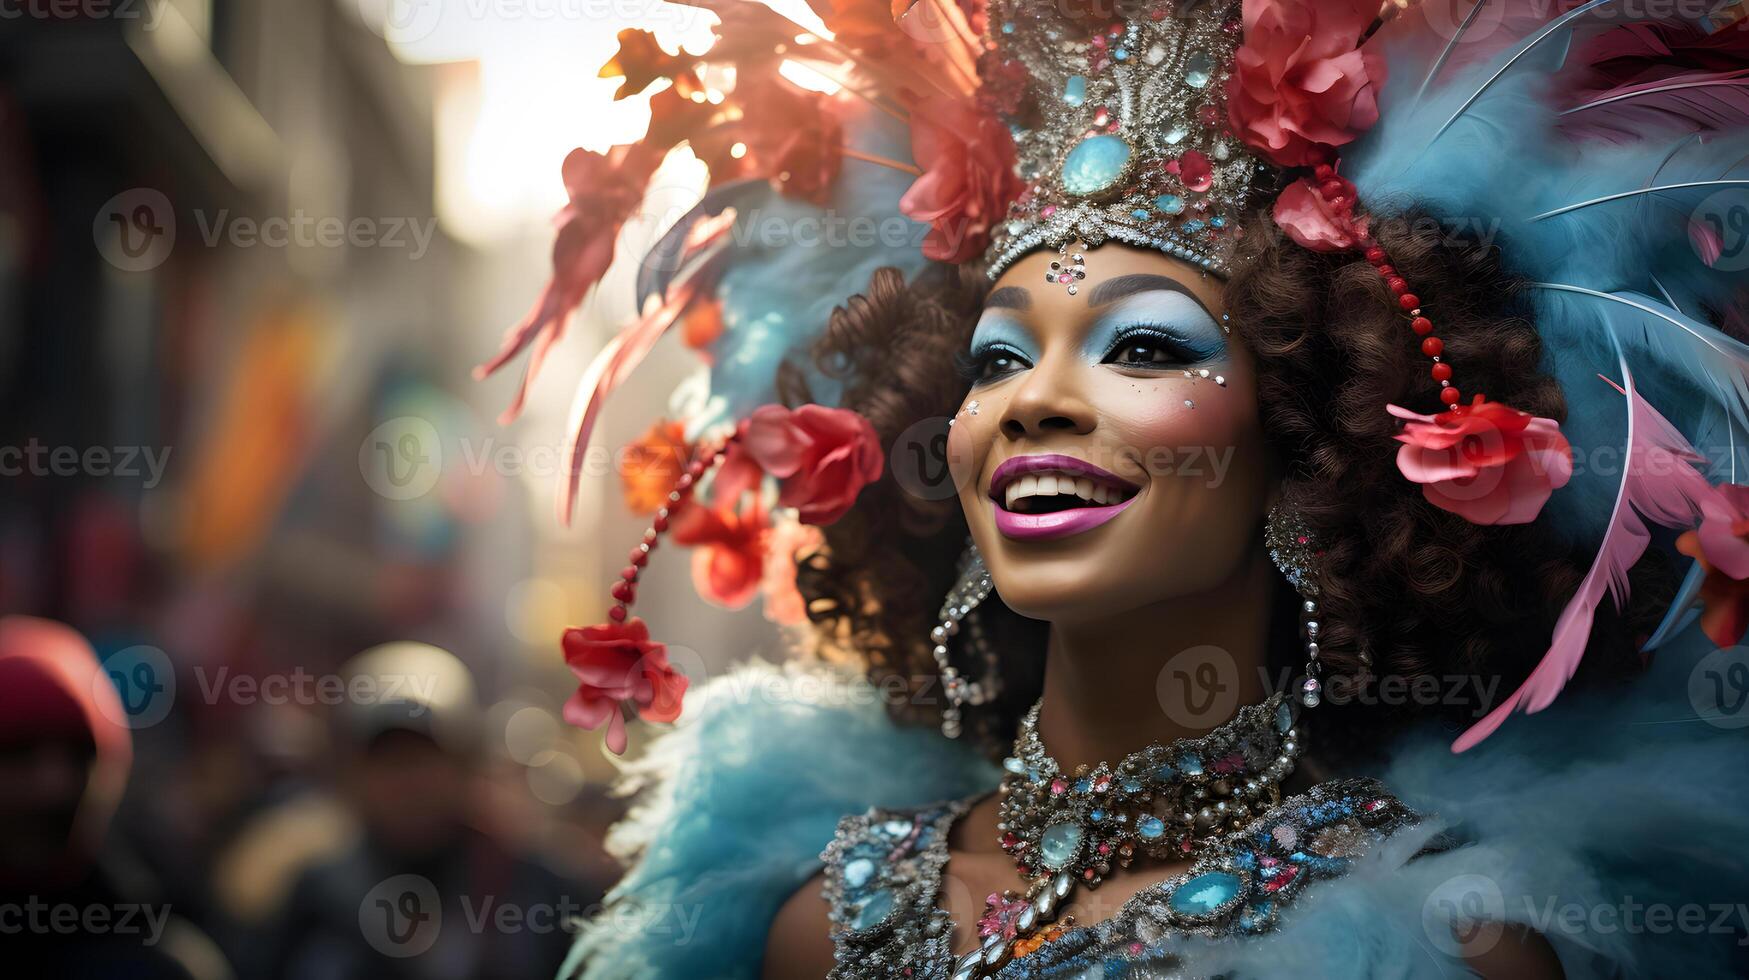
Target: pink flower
784	603
822	458
968	180
1301	86
1318	222
1486	462
1724	530
619	662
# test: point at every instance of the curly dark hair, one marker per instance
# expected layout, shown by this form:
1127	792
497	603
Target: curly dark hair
1416	590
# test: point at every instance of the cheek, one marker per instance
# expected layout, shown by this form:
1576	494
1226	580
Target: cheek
1173	419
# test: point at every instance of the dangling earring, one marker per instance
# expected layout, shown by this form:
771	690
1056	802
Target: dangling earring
1292	548
969	591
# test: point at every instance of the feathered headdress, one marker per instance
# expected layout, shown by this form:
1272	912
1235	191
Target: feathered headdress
1607	150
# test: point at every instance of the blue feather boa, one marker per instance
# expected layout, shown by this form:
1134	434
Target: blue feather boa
1611	823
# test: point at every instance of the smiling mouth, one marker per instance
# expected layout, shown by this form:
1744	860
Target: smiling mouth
1040	497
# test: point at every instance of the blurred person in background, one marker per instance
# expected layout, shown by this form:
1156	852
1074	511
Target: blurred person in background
72	904
423	891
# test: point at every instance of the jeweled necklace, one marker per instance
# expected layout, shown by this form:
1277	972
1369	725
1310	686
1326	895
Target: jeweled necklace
1164	802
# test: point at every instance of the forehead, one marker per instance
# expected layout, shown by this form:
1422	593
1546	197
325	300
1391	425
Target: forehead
1110	270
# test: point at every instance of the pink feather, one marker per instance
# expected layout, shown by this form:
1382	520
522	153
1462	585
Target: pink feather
621	356
1659	484
1632	80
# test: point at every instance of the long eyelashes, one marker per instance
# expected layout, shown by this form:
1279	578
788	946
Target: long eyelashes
1146	346
990	362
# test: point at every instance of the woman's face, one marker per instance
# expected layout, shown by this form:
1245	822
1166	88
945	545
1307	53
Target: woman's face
1109	453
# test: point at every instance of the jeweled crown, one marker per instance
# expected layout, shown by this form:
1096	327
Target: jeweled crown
1120	130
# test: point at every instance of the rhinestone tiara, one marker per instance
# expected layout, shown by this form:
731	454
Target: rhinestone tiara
1120	129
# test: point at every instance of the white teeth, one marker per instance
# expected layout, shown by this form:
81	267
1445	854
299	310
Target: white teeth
1055	484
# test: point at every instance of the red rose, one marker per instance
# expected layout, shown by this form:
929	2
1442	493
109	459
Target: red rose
1313	222
1300	84
614	663
968	181
822	458
1488	463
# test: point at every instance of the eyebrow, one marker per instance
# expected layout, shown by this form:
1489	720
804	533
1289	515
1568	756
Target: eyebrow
1112	290
1009	298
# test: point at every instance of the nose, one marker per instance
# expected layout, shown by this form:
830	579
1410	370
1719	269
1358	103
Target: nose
1048	401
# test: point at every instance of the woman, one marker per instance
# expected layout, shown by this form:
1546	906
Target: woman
1267	487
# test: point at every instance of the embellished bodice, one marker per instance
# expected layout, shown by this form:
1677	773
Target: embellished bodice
884	876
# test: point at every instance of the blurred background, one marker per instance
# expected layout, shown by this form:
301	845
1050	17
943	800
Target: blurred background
250	251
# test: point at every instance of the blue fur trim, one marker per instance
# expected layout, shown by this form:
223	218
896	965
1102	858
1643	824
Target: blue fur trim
734	807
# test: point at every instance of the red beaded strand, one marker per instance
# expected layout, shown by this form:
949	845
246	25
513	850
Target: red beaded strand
1336	192
625	591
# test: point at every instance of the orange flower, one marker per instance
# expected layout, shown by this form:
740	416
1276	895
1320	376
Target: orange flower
730	558
1725	616
703	324
652	466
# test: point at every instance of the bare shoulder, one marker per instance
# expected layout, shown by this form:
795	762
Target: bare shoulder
1514	953
800	944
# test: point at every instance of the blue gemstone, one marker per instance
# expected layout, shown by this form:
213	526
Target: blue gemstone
1169	203
1165	772
1057	847
1014	765
1191	765
1095	164
1132	785
1008	27
1197	68
1284	718
1150	827
1140	214
1121	54
858	872
1218	221
1075	89
1195	225
1204	894
1097	816
1083	785
873	909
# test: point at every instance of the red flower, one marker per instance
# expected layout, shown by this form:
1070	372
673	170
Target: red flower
615	663
968	181
822	458
1721	546
1300	84
1489	463
1315	221
729	562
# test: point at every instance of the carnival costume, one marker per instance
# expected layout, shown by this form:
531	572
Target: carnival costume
1607	150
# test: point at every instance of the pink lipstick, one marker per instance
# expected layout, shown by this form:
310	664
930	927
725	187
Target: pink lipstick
1050	496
